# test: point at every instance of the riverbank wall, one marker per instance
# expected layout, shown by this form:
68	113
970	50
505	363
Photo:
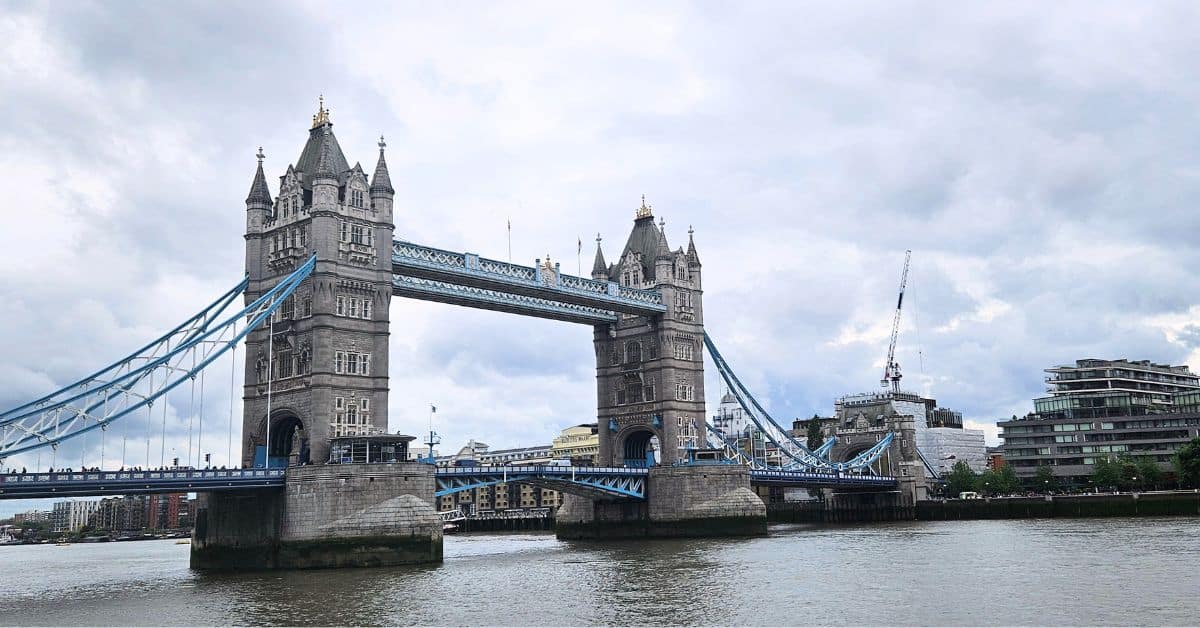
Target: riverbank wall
840	511
1178	503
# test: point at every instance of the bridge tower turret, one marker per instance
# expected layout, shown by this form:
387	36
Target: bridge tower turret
650	371
324	371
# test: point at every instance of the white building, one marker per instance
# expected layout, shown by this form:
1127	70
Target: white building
71	515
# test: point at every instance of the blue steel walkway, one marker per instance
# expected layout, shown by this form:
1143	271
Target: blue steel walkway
596	482
105	483
432	274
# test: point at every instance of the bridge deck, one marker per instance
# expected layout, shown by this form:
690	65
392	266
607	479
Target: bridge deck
104	483
628	482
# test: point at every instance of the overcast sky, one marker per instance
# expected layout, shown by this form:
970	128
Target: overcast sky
1039	160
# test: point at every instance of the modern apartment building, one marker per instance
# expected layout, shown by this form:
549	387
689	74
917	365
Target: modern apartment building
1101	409
71	515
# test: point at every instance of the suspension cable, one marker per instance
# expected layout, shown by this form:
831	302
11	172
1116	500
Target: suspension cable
232	390
200	424
191	410
270	377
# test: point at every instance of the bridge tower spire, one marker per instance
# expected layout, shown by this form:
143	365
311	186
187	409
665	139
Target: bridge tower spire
328	360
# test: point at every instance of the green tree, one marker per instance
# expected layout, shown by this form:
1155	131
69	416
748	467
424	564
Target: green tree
1007	480
987	482
1044	479
1106	474
961	479
1187	464
815	437
1149	473
1127	468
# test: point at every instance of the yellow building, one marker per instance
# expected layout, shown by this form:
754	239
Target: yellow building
579	443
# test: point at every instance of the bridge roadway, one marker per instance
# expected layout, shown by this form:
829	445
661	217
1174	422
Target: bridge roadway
589	481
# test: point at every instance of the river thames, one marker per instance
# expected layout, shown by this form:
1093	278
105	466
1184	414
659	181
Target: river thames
1034	572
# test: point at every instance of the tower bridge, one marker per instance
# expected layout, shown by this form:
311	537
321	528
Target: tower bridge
322	265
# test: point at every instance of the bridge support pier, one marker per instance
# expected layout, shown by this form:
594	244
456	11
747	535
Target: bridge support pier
682	501
353	515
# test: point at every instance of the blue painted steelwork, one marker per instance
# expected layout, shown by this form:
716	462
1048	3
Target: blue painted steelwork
801	456
826	447
928	467
443	292
180	334
95	402
42	485
472	271
602	482
813	479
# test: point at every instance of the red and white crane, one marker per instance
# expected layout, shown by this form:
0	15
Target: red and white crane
891	370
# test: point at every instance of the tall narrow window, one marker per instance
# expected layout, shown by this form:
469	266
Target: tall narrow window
365	364
352	363
343	231
352	309
341	305
366	308
339	362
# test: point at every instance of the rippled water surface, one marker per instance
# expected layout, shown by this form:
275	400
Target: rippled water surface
1040	572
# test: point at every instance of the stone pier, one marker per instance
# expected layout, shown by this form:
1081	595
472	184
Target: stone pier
681	501
351	515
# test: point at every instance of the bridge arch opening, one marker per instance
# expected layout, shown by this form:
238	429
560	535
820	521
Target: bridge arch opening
289	441
641	448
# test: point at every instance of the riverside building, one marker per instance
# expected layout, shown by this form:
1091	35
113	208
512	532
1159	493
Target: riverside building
1101	409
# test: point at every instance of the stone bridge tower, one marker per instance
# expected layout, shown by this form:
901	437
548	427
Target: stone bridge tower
324	372
650	371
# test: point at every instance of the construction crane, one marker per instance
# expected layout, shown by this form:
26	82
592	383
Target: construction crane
891	370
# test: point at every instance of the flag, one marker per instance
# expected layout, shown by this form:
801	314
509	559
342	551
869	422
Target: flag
432	408
580	243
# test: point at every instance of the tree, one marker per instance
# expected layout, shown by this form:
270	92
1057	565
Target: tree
815	437
1007	480
987	482
1130	480
1148	471
1044	479
1187	464
1106	474
961	479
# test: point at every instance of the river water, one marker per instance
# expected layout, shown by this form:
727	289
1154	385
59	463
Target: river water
1035	572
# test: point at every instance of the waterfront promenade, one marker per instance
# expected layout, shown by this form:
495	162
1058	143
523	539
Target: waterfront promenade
1033	572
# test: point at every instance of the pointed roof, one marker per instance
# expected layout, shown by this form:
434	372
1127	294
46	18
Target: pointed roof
599	267
664	250
259	192
644	241
691	251
381	182
322	154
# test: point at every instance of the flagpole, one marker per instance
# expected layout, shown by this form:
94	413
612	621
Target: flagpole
578	256
510	240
